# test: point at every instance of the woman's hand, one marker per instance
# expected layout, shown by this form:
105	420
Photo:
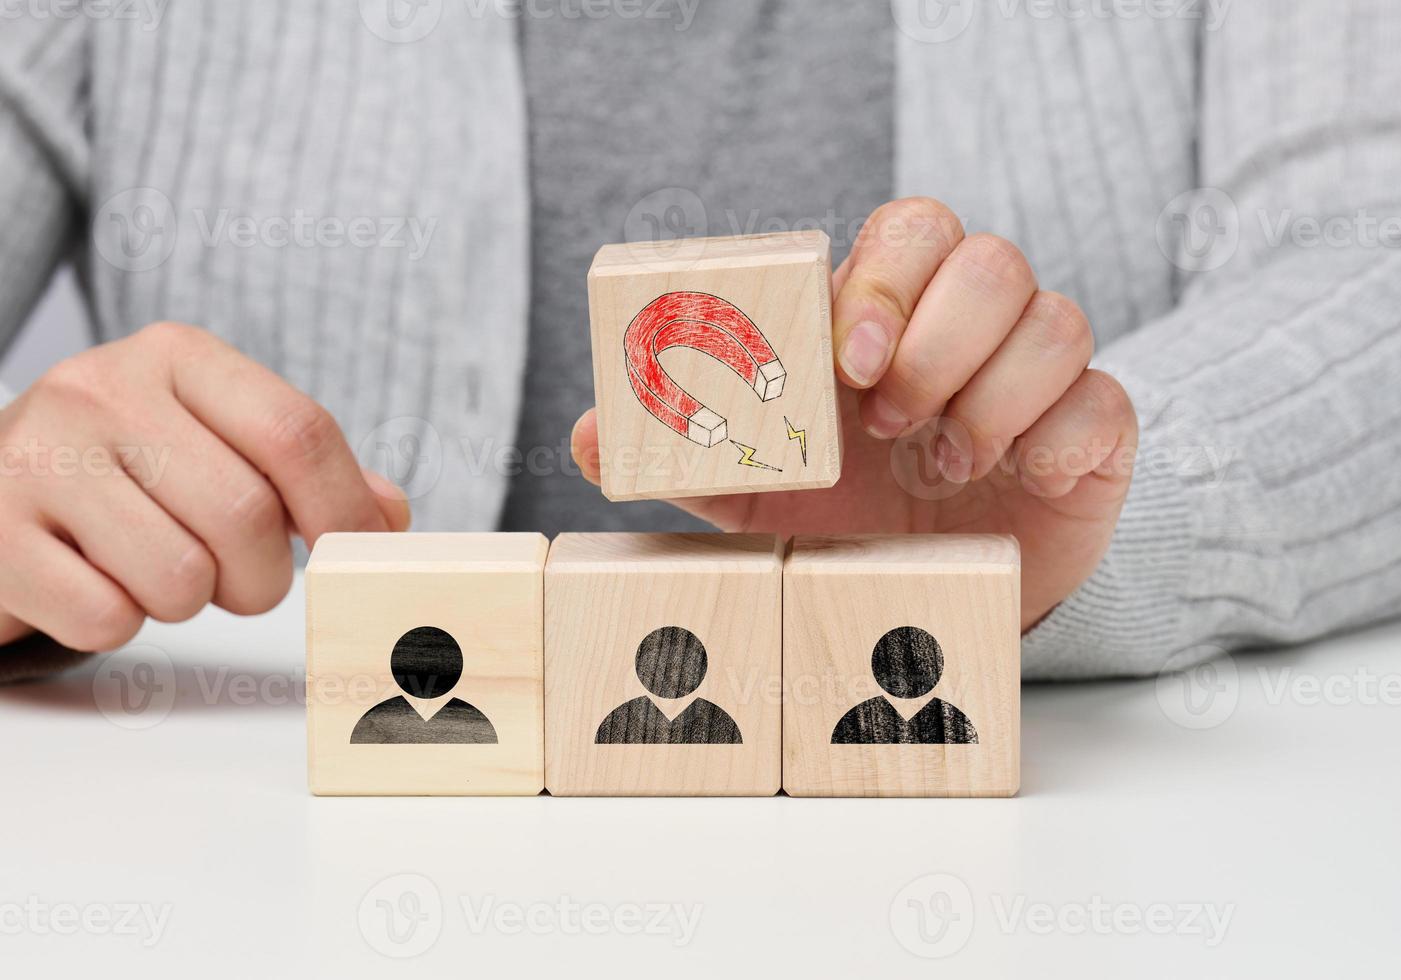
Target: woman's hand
159	473
963	382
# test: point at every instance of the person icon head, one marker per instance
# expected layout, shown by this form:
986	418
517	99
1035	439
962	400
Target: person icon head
907	662
671	662
426	663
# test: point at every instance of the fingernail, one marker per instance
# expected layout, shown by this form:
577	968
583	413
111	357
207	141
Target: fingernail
865	352
383	486
957	467
881	419
942	448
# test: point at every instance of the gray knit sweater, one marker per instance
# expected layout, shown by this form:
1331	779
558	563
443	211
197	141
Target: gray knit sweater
1217	188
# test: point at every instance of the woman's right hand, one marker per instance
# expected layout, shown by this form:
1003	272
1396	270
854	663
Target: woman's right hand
158	473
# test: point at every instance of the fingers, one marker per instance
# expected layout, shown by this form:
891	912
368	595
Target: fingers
12	629
287	436
1091	432
225	503
878	288
1045	353
727	512
130	539
60	594
583	446
975	298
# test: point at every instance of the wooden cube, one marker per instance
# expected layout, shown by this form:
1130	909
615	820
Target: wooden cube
663	665
425	664
713	366
902	666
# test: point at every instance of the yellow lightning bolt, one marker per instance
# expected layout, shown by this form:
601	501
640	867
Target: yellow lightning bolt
801	435
746	457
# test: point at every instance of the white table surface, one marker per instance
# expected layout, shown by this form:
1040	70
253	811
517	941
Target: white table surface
1266	840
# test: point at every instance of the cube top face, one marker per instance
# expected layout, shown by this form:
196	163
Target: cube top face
902	667
901	553
425	664
429	552
652	553
713	366
663	665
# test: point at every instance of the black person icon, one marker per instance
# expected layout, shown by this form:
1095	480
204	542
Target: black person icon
907	663
427	664
671	663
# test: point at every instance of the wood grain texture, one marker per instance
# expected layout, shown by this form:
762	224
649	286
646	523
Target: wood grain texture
841	597
367	591
746	424
607	593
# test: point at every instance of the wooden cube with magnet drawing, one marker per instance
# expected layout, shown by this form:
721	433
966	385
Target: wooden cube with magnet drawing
713	366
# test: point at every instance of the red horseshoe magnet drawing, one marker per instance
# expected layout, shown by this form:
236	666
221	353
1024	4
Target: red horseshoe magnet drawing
712	326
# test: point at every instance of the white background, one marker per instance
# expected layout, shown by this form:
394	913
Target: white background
1280	814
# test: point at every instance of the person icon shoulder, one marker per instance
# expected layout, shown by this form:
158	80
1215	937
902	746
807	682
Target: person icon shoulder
671	663
426	664
907	663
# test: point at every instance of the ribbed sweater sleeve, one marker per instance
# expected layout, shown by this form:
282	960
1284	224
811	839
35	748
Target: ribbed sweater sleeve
43	155
1266	504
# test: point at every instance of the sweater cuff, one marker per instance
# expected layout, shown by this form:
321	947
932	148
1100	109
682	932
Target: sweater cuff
1125	620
